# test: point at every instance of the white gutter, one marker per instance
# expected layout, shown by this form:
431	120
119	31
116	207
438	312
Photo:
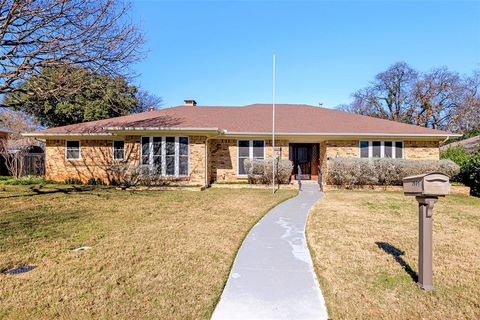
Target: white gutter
163	129
117	129
331	134
48	134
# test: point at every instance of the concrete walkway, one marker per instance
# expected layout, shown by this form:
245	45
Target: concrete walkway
272	276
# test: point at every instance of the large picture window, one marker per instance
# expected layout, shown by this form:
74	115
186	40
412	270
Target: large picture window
249	149
165	156
381	149
72	150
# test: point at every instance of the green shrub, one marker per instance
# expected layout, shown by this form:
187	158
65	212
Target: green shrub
470	174
95	182
385	171
27	180
457	154
72	181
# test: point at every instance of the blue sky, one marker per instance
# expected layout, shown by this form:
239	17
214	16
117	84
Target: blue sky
220	52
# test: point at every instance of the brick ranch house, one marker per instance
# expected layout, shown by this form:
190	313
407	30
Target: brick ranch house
198	145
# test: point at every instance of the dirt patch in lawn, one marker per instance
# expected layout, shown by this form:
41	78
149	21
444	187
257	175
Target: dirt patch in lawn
364	246
163	255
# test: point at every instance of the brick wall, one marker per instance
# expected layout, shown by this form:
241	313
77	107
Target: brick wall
422	150
414	150
223	157
96	159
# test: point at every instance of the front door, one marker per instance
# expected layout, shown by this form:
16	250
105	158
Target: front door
301	156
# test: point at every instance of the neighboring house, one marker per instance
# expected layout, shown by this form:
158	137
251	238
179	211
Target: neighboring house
470	145
26	155
201	144
4	132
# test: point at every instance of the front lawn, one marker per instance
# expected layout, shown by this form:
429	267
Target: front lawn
364	246
155	254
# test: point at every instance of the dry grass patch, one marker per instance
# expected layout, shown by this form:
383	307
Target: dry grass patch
163	255
364	246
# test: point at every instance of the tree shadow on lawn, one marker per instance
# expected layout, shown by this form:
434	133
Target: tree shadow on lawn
39	190
396	254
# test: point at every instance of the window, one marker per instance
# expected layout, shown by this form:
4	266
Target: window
387	146
376	146
363	149
145	151
249	149
183	156
73	150
398	149
165	156
243	154
118	150
170	156
381	149
157	155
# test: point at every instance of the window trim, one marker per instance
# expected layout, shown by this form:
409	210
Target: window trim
79	151
382	148
164	154
250	153
113	150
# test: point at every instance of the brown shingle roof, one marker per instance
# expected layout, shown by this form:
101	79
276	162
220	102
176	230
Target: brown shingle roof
470	145
256	119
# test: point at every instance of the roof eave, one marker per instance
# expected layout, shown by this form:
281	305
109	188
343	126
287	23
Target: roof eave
347	135
144	130
65	134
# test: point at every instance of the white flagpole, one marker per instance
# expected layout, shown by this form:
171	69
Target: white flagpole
273	127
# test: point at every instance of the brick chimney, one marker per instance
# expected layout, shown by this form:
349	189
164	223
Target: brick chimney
190	103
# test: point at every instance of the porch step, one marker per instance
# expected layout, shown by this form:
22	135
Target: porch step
295	182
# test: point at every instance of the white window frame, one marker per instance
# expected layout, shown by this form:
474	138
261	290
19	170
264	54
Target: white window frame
79	150
250	153
382	148
164	155
113	150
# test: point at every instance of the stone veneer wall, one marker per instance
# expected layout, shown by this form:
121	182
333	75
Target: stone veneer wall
96	159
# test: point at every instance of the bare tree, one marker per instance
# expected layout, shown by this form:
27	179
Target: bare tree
439	99
438	95
146	100
94	34
389	96
467	116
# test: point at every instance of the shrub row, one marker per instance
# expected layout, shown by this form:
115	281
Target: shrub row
469	167
260	171
470	174
384	171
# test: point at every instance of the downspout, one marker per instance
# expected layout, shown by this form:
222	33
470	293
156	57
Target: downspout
221	133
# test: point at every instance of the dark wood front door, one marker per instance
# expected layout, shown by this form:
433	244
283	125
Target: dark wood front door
301	155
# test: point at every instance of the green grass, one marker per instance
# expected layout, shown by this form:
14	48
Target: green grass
155	254
365	251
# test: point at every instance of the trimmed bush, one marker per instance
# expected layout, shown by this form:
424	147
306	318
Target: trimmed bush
72	181
385	171
470	174
27	180
95	182
260	171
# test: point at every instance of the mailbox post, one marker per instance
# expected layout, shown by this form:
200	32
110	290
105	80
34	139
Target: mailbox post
426	188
